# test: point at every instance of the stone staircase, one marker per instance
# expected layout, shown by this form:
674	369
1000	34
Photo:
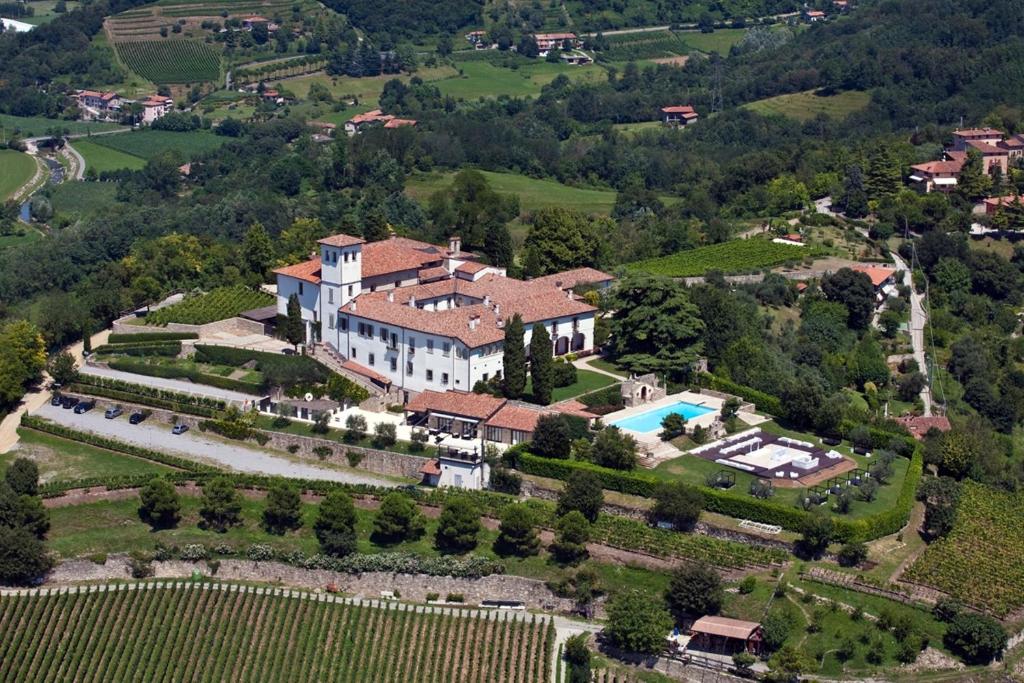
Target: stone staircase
330	357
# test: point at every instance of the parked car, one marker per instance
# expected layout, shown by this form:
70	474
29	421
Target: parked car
56	400
68	402
113	412
179	429
84	407
136	418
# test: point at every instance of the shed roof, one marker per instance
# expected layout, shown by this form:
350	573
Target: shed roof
725	627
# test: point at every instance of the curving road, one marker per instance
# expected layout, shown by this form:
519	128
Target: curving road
195	445
918	321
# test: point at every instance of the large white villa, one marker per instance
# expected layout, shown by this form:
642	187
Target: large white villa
419	317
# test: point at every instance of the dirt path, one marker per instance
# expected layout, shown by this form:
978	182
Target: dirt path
912	527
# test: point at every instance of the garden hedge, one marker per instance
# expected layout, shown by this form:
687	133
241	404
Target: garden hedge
737	505
142	337
169	349
174	372
115	395
278	369
880	438
766	403
147	391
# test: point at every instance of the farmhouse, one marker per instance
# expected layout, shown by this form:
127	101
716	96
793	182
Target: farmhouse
883	278
359	122
678	115
425	317
557	41
997	151
98	105
814	16
155	106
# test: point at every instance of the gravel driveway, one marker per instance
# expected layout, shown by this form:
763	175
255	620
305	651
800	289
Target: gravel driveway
197	446
179	385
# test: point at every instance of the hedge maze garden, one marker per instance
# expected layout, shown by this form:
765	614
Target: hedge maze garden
179	631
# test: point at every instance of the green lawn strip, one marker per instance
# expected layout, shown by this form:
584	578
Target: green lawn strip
720	40
100	158
16	169
484	79
300	428
62	459
608	366
27	236
586	382
114	526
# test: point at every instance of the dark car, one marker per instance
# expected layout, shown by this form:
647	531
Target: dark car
113	412
56	400
179	429
84	407
136	418
68	402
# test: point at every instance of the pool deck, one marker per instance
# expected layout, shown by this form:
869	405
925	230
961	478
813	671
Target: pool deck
663	450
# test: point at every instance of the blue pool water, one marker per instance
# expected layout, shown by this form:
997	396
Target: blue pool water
651	420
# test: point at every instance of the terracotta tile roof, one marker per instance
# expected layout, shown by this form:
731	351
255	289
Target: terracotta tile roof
307	270
517	417
573	407
364	371
433	274
878	274
399	123
985	148
815	13
470	267
1014	142
570	278
680	109
458	403
725	627
399	254
978	132
431	468
456	323
341	240
918	425
996	202
370	116
952	166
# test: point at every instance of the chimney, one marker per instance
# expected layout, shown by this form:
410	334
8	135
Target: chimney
473	322
353	308
568	293
497	311
455	244
487	300
391	296
412	301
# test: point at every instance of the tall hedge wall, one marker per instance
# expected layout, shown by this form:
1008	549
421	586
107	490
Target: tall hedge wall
766	403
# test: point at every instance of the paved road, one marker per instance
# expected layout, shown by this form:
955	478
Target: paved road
194	445
918	321
181	385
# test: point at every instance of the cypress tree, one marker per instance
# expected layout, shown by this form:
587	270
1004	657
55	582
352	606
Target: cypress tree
514	359
542	368
294	328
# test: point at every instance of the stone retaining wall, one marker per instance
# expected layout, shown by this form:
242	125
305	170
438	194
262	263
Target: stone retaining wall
387	463
239	327
412	587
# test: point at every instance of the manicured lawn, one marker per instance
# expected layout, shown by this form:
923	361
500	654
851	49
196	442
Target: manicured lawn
147	144
29	235
16	169
586	382
804	106
82	197
101	158
637	127
108	527
43	11
61	460
533	193
608	366
31	126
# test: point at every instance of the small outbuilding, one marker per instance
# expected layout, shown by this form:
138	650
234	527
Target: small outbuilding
726	636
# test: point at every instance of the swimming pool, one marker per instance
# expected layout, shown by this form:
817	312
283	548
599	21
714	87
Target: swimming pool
651	420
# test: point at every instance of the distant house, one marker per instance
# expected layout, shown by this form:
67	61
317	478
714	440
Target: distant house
724	635
249	22
155	106
98	105
938	176
678	115
997	151
400	123
814	16
577	58
993	204
883	279
918	425
476	37
359	122
555	41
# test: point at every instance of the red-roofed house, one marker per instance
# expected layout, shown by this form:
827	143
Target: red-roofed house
996	150
400	123
359	122
682	115
155	106
557	41
98	105
814	16
993	204
918	425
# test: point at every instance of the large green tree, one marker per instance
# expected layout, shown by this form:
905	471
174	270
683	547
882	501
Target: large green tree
221	506
22	359
542	369
397	520
694	591
335	525
637	623
883	177
854	290
583	493
294	329
560	239
257	250
283	511
513	381
654	325
458	526
517	534
159	504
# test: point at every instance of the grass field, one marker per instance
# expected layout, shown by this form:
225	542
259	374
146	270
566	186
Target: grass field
720	41
28	236
737	256
171	61
586	382
217	632
483	79
16	169
804	106
32	126
62	460
533	193
147	144
44	11
100	158
366	89
79	197
987	544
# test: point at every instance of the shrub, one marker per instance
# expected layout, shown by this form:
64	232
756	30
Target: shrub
564	374
355	428
353	457
976	638
418	440
747	585
260	552
852	554
322	452
384	435
455	597
193	552
432	597
140	565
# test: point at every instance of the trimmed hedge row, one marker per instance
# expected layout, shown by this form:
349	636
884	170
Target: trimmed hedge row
766	403
278	369
42	425
115	395
150	392
880	438
169	349
141	337
174	372
739	507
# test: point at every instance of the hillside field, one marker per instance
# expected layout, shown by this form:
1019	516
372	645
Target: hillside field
171	61
100	158
166	631
147	144
736	256
16	169
804	106
32	126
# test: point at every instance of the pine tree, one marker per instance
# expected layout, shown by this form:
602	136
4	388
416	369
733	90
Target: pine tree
883	177
498	245
514	359
294	328
542	369
973	183
854	200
